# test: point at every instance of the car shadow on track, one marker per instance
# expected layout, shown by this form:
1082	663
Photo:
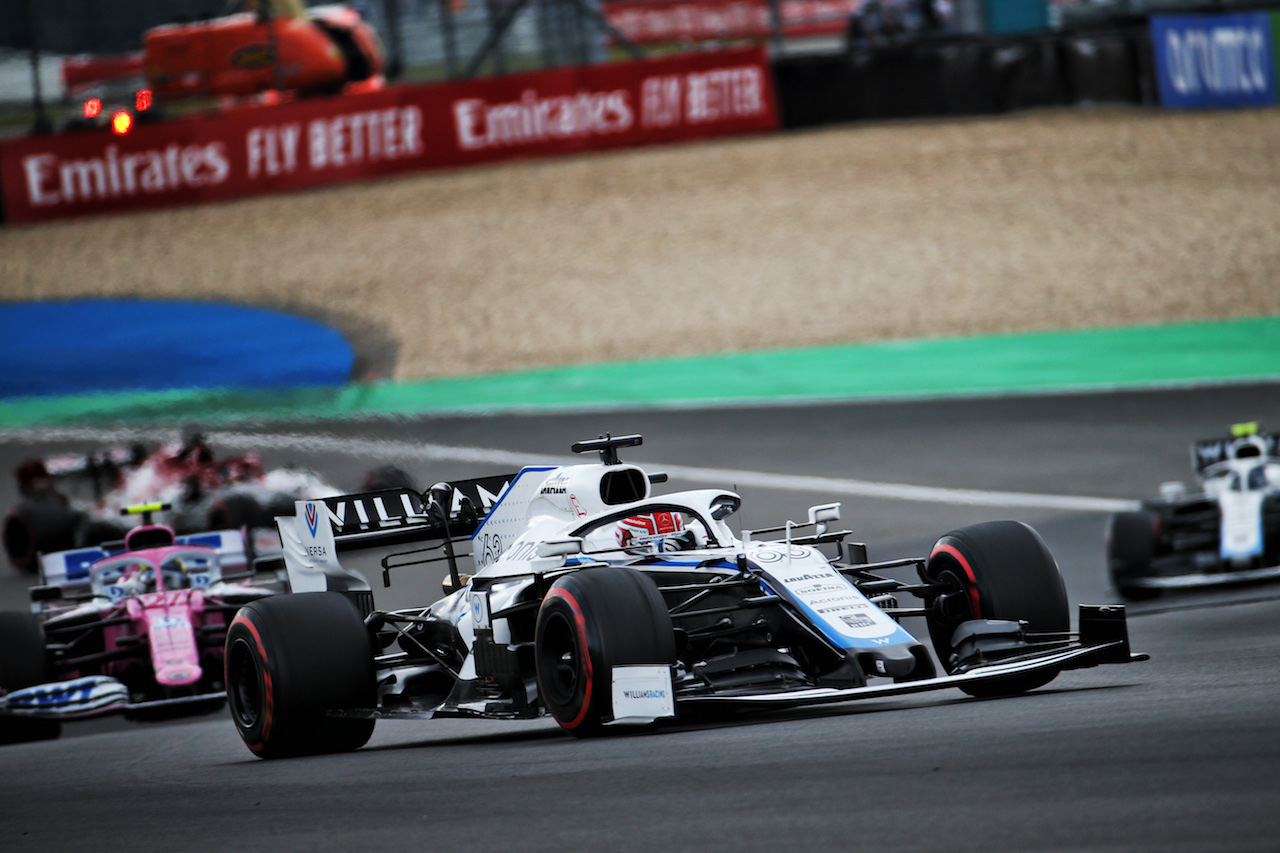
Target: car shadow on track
532	732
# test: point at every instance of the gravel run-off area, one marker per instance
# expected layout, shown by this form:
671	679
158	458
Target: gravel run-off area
1041	220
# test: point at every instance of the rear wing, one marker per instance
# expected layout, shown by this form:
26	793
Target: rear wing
1211	451
71	568
320	530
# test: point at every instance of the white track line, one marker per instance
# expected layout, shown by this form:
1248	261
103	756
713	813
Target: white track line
393	450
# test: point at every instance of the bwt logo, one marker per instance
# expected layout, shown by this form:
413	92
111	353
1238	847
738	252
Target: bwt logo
1221	60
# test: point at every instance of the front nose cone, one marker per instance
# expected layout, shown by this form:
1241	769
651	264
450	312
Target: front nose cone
178	674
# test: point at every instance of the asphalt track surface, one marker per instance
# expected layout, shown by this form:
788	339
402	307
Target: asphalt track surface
1178	753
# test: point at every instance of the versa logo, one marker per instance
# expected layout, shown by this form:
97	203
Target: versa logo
312	519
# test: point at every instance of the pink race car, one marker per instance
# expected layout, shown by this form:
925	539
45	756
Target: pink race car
136	626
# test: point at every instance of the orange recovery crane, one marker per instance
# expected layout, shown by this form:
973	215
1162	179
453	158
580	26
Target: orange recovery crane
270	44
264	46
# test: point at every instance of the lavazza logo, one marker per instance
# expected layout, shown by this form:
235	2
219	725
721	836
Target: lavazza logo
52	181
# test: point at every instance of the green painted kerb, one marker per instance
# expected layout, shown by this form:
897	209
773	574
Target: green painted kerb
1128	357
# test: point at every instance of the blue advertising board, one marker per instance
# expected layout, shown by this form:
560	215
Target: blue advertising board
1214	60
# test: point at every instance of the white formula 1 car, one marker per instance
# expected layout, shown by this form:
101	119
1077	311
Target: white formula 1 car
1228	532
599	603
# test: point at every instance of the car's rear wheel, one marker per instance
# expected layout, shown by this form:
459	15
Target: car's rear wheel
291	662
996	570
1131	542
24	662
589	622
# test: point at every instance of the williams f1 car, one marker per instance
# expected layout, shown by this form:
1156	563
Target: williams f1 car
595	601
75	501
136	626
1227	532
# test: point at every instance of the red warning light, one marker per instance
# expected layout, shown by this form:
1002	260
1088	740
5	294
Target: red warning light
143	100
92	107
121	122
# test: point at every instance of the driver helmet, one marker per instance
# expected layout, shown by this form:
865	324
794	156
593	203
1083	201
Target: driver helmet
652	533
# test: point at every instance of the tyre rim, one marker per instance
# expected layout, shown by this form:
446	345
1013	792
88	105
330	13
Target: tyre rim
559	660
244	688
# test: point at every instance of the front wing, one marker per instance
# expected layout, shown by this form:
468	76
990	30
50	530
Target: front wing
91	696
1103	639
1076	658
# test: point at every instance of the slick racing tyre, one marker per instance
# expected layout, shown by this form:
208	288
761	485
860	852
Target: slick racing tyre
388	477
93	531
235	510
1131	541
998	570
290	659
589	622
23	663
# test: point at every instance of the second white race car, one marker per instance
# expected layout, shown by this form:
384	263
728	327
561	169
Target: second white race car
1226	532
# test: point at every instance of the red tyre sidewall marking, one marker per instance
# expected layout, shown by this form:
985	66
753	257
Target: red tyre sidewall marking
968	570
268	699
583	654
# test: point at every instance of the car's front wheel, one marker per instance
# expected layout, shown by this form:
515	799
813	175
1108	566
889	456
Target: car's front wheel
293	663
996	570
589	622
1131	542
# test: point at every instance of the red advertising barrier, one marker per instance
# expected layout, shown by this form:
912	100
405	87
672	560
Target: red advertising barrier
313	142
648	21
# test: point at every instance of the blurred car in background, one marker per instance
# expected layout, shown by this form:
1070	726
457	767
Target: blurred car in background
1226	532
136	627
75	501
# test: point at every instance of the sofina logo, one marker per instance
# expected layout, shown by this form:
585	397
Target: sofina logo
312	519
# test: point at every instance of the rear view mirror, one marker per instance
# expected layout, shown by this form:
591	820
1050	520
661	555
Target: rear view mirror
560	547
725	506
46	593
822	515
